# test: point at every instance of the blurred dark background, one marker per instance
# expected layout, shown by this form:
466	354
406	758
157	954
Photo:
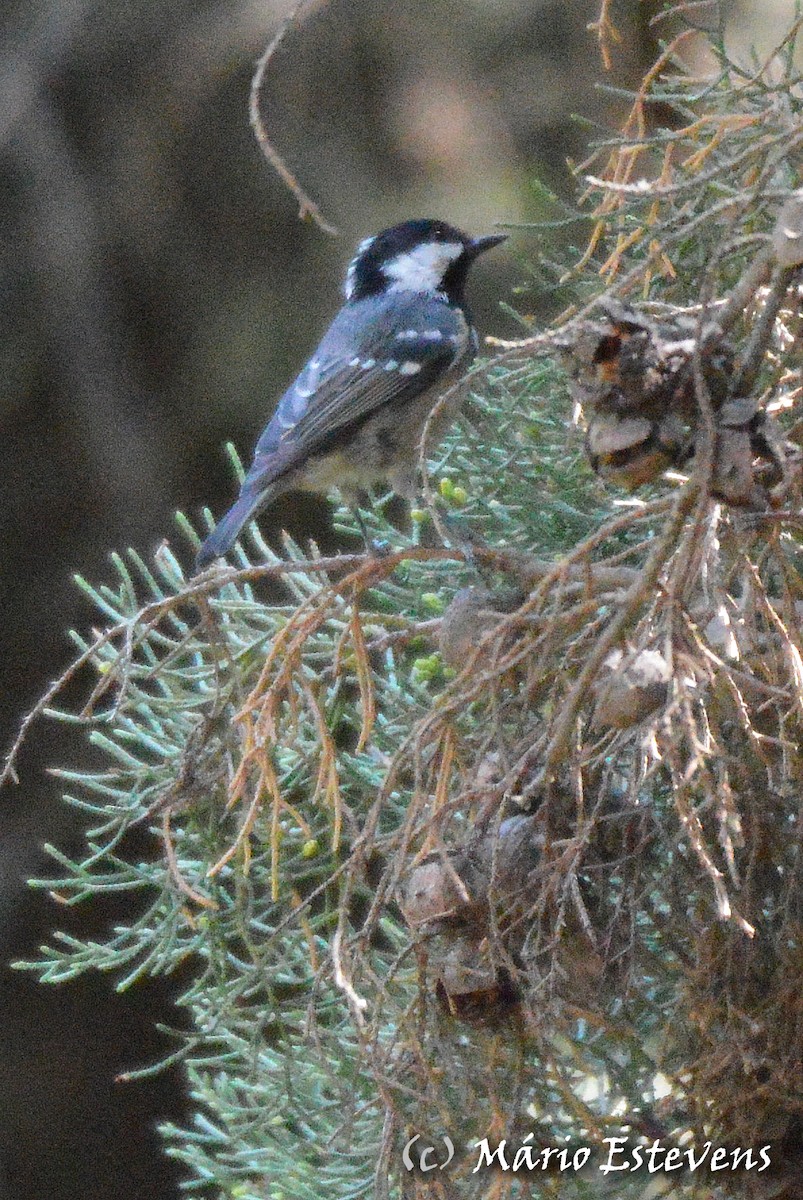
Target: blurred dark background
157	293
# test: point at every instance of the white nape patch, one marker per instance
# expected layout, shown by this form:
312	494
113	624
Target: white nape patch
348	287
409	368
423	268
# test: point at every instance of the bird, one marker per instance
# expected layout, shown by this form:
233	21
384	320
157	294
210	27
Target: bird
355	414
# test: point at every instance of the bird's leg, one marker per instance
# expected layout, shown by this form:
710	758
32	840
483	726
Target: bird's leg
358	517
461	535
469	541
376	547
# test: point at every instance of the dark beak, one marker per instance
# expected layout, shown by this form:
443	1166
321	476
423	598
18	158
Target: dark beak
481	244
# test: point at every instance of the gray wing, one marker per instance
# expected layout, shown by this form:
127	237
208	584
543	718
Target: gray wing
377	352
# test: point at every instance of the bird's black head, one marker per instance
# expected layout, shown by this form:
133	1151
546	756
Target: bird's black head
416	256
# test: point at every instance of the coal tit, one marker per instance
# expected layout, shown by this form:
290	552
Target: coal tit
355	414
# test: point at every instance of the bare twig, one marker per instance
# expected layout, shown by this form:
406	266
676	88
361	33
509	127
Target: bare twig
308	209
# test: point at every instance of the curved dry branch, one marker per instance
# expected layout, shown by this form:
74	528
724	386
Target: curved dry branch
308	209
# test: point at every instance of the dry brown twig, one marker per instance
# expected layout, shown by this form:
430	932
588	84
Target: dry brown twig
308	209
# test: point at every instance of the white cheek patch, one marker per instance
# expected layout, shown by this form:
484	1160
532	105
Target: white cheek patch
423	268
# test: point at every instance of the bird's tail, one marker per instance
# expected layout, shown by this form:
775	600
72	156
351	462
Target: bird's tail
227	530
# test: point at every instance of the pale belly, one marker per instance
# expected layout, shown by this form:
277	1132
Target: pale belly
385	448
